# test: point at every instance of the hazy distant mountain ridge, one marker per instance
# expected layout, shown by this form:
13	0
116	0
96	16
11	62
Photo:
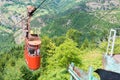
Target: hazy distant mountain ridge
102	4
14	10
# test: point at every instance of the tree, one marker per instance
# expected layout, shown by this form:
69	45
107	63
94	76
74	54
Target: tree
85	44
67	53
47	50
1	76
59	40
75	35
26	74
117	46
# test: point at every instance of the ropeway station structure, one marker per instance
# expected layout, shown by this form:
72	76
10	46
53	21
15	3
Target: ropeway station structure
111	63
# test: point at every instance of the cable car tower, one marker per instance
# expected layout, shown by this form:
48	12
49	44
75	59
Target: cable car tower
32	44
111	61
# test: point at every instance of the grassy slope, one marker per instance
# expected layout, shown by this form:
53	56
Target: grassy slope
91	58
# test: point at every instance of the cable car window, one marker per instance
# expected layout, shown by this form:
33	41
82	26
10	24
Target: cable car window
38	51
31	50
34	35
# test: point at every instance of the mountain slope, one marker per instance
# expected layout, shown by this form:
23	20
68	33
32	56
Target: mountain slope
87	23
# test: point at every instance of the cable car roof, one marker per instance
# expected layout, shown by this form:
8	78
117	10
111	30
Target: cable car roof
34	42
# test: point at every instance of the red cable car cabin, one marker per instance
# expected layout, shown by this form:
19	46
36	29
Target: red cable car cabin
32	44
32	52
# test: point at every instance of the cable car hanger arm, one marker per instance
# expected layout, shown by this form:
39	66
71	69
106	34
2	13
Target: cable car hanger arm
32	13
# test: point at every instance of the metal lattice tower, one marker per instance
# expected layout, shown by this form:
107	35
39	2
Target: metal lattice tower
111	42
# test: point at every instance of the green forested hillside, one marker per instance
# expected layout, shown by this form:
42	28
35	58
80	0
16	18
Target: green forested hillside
69	33
88	24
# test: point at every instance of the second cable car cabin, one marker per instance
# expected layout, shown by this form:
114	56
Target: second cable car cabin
32	44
